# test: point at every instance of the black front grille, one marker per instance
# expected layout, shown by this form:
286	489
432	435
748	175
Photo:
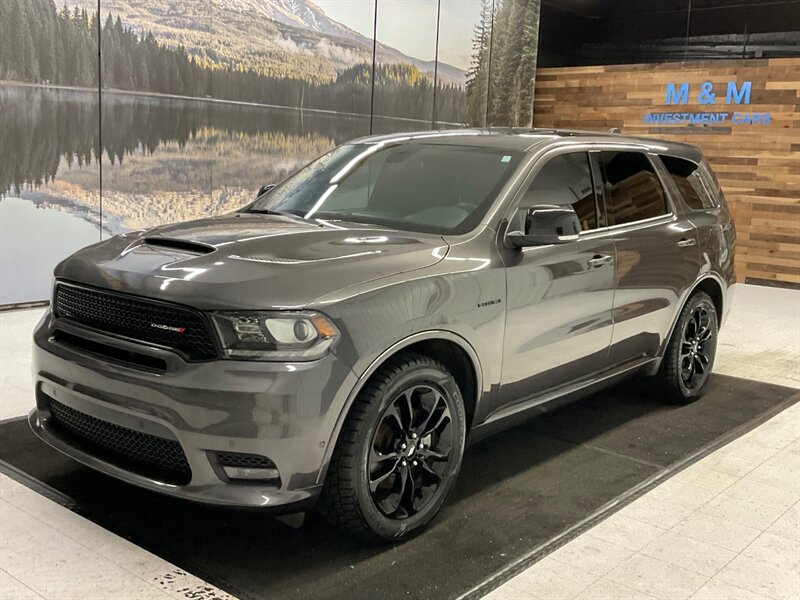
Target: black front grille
149	455
126	357
176	327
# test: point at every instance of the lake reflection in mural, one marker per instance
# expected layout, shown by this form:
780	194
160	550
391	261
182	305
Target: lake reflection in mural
163	159
49	185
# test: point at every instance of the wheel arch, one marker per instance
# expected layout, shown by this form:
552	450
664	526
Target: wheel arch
710	283
449	348
713	288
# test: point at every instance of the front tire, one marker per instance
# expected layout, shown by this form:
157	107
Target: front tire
399	451
689	359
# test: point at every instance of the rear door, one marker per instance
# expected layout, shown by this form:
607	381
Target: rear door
695	184
656	248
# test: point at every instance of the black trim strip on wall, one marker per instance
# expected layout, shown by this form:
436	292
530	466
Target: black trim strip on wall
100	115
374	58
775	283
489	69
436	63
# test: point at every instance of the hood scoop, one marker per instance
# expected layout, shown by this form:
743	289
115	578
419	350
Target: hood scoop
178	244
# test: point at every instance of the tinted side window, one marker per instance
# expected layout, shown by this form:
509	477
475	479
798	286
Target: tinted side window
632	189
565	180
688	178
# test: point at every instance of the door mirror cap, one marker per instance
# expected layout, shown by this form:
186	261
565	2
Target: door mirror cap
264	189
547	224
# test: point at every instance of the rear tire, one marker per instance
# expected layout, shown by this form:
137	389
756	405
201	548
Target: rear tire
689	358
399	451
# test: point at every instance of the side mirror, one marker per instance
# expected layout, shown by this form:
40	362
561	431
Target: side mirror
264	189
547	224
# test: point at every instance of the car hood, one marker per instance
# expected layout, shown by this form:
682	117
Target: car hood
246	261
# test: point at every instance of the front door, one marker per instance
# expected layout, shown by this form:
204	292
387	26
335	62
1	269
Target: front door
559	297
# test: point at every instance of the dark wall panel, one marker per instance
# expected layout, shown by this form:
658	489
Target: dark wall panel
597	32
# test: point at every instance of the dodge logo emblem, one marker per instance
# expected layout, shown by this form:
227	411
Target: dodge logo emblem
168	327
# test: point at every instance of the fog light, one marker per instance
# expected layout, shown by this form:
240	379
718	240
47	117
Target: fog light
250	473
247	467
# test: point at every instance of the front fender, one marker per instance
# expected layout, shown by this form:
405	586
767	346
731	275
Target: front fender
379	360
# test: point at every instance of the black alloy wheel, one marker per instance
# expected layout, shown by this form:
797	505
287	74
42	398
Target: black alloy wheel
689	357
696	348
410	451
399	451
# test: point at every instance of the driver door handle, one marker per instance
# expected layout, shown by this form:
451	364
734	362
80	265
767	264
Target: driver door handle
598	260
685	243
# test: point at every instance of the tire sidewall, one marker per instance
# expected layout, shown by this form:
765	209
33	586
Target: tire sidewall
432	375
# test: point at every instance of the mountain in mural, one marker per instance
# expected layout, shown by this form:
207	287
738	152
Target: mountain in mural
277	38
303	14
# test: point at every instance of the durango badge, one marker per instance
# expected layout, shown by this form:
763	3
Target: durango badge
168	327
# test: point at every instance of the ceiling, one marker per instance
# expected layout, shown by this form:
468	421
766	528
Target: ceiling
577	32
765	15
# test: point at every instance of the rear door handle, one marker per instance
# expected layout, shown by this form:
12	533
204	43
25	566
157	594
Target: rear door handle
687	243
599	260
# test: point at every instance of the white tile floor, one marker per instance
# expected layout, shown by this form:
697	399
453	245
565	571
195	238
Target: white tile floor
728	527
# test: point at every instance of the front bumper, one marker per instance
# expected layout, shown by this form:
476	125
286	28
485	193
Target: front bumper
283	411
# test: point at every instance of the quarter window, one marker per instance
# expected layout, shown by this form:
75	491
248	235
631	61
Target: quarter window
565	180
633	191
687	176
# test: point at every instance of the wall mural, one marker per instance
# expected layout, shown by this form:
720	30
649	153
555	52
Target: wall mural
500	82
203	101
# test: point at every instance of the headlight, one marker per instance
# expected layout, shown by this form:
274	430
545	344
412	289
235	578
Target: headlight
275	335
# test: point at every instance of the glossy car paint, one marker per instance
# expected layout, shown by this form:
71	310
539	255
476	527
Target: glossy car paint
535	325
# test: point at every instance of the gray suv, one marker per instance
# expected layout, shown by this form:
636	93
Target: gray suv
338	341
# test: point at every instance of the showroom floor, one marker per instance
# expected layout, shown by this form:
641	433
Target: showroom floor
728	526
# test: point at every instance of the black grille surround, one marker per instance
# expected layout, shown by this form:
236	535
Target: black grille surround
141	453
248	461
154	322
245	461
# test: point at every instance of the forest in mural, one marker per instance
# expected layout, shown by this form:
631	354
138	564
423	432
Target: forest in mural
40	44
37	44
500	80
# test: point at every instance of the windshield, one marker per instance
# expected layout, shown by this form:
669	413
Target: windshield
413	186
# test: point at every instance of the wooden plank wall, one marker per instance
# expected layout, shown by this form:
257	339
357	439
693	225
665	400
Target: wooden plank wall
758	165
